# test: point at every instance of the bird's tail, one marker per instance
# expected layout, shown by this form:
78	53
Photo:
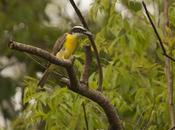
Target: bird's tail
44	77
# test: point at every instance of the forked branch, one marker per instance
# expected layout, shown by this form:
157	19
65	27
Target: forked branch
91	38
73	83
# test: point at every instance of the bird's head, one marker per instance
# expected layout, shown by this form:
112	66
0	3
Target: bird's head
79	30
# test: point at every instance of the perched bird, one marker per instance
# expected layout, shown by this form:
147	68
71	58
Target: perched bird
64	48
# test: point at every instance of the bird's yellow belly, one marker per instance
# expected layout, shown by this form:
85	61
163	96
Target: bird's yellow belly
69	47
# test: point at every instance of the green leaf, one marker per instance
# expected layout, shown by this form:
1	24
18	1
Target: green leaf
135	5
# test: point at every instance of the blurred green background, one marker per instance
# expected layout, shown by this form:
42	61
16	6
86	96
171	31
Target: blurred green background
132	62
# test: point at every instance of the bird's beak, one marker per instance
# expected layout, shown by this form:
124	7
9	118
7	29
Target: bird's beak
88	33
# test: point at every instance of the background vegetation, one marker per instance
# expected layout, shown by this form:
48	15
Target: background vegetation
132	61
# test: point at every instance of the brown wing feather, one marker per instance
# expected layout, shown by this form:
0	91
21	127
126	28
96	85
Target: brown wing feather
58	44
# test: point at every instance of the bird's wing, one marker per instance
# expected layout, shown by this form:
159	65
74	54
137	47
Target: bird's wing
56	48
58	44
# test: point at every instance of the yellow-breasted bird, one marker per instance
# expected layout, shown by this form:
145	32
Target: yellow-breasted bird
64	48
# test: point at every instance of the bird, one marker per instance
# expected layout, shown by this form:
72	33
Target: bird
64	48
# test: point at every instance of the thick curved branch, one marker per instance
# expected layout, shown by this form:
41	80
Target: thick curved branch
38	52
108	108
91	38
73	83
97	97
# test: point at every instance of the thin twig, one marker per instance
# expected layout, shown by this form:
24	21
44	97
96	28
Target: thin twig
154	28
100	80
54	72
156	32
91	38
79	14
85	116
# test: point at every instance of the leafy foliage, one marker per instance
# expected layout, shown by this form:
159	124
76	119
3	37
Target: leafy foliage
58	108
134	79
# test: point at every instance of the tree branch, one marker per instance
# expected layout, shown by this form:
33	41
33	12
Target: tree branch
38	52
91	38
79	14
74	85
156	32
168	59
169	68
88	60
